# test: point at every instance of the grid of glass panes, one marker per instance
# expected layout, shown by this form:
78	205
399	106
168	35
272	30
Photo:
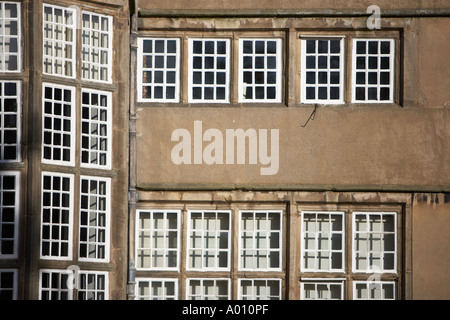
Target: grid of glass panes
322	72
208	289
322	290
374	290
374	241
158	239
92	285
8	284
208	245
260	242
9	213
209	70
322	241
57	210
58	125
10	36
373	70
156	289
10	117
96	121
158	70
94	218
59	29
96	49
260	70
259	289
54	285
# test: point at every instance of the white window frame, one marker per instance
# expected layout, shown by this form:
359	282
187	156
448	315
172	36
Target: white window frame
141	70
151	296
17	189
279	70
322	281
98	123
64	42
60	273
95	290
151	231
203	248
391	70
253	295
18	114
97	229
202	295
89	47
328	70
369	284
50	224
4	53
280	232
72	119
14	288
316	251
370	269
213	70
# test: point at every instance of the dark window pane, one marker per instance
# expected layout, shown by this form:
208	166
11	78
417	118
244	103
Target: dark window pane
310	77
209	62
335	46
360	77
271	47
221	47
310	93
248	47
372	94
360	94
323	93
170	61
334	62
384	63
259	92
220	78
334	77
220	93
209	77
373	62
221	63
373	47
322	62
159	62
248	77
271	93
209	47
148	45
171	46
198	47
159	46
197	78
170	92
310	46
158	92
384	94
259	62
360	47
384	77
271	63
323	46
323	77
372	78
271	77
209	93
197	63
259	47
259	77
385	47
334	93
197	93
360	63
310	62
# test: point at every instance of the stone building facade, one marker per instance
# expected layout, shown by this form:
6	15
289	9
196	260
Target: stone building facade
225	150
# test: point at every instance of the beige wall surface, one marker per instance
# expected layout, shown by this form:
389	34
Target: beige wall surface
291	4
368	147
431	263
